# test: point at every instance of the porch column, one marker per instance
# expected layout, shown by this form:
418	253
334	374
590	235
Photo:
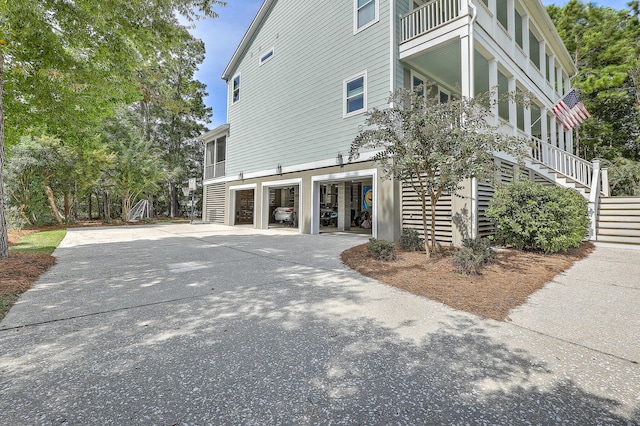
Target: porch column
525	35
493	86
344	206
513	108
543	59
568	138
466	61
544	132
511	20
552	75
553	138
527	120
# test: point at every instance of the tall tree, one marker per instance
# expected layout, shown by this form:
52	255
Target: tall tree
64	65
434	146
605	46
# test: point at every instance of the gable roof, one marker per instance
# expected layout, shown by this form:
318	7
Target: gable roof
538	10
246	39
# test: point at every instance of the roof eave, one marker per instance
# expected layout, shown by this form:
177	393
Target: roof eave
246	39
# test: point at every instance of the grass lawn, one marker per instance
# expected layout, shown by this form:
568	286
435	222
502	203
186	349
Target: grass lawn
44	242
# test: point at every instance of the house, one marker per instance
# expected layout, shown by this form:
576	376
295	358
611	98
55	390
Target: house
304	75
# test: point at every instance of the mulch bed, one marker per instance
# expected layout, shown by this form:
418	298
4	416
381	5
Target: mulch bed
500	287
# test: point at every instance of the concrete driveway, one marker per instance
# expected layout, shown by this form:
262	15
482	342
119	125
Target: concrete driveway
204	324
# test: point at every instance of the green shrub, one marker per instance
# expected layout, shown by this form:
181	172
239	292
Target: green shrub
381	249
473	254
537	217
410	240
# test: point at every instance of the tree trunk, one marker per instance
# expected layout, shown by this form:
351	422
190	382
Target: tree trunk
106	206
67	208
173	202
90	206
126	205
52	203
4	236
427	248
151	211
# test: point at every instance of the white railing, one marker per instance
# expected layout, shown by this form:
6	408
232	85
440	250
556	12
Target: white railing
429	16
214	170
562	162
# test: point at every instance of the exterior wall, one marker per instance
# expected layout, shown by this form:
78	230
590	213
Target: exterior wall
386	209
291	107
288	124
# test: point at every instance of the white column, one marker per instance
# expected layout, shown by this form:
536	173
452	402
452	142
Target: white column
511	19
466	61
527	120
552	67
544	132
525	35
553	138
543	60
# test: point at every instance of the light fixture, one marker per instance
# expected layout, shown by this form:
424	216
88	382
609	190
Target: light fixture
339	160
241	176
279	169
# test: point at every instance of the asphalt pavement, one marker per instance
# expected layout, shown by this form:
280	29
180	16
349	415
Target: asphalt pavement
179	324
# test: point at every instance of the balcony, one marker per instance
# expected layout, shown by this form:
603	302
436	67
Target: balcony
214	170
429	17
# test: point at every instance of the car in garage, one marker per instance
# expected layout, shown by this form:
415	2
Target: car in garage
284	214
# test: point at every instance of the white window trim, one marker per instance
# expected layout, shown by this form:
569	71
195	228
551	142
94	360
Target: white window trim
346	114
376	18
266	52
239	77
415	74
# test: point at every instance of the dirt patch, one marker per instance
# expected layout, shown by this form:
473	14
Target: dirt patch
500	287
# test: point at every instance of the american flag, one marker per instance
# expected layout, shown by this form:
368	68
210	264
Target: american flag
570	111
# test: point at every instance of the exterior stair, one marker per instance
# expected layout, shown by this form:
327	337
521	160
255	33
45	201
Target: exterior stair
619	221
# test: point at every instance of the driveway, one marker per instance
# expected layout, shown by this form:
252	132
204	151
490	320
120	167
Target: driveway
204	324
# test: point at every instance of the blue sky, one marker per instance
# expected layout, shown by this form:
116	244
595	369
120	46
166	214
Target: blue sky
222	36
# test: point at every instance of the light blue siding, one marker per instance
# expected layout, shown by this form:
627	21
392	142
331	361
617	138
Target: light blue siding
291	107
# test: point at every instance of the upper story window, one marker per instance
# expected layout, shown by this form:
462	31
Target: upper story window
366	14
534	50
518	29
355	95
503	102
235	89
266	56
502	12
215	156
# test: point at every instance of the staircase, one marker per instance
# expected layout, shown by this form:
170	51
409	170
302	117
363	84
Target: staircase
619	220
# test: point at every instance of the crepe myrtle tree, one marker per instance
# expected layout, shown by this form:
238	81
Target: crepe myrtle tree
433	146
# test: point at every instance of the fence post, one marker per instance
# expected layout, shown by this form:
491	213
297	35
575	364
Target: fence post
605	182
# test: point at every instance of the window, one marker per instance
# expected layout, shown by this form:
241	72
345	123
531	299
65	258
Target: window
503	102
366	13
355	94
519	111
502	11
236	89
265	57
417	80
518	29
536	121
443	95
534	50
215	158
